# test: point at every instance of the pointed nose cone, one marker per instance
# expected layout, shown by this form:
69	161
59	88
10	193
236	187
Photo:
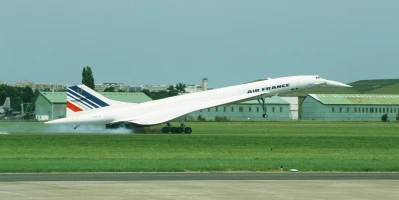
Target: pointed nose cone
331	83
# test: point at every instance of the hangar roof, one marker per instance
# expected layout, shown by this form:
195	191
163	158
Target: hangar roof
357	99
131	97
375	85
272	100
378	86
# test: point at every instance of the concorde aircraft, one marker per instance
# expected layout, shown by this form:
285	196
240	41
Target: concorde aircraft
87	107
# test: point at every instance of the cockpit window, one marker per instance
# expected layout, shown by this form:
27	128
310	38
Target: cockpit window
317	77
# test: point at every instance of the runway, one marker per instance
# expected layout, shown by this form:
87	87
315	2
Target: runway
212	185
193	176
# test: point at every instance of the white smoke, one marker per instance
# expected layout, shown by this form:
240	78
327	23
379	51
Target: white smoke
85	129
52	128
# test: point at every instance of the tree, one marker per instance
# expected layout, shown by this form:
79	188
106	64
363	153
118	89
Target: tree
172	91
109	89
87	77
84	75
169	92
17	95
384	118
181	88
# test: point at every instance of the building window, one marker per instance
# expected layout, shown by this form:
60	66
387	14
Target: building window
272	109
340	110
281	109
371	110
224	109
347	110
355	109
332	109
232	109
362	110
367	110
240	109
209	110
249	109
217	109
257	109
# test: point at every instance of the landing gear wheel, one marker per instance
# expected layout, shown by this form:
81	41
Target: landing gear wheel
188	130
165	129
179	130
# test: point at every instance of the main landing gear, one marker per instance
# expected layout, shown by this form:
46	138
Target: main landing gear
262	103
169	129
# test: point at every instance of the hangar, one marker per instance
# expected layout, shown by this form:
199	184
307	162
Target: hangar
372	87
277	109
367	107
52	105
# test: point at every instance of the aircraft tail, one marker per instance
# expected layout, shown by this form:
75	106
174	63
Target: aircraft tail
7	102
81	98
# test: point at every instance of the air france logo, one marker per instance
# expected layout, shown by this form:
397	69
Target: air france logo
269	88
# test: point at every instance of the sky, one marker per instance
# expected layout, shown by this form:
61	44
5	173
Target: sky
227	41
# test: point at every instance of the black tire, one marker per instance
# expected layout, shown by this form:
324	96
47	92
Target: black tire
188	130
165	129
179	130
173	130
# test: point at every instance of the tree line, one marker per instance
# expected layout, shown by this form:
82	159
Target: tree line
169	92
17	95
20	95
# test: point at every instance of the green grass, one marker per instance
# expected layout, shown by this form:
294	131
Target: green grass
225	146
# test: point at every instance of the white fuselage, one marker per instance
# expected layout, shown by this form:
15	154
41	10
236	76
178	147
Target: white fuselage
178	106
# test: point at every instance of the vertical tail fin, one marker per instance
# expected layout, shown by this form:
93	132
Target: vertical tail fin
81	98
7	102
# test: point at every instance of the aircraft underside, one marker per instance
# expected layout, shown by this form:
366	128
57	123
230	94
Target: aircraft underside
167	129
172	129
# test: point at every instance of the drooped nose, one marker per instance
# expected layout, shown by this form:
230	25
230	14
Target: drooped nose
331	83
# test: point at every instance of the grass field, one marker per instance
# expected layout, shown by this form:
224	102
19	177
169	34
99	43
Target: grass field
224	146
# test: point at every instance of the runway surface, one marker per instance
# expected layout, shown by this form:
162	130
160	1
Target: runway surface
190	176
232	186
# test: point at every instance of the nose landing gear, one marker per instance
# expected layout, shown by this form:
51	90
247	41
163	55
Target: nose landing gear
262	103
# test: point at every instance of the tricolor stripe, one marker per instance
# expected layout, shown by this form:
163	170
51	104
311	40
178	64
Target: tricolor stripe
77	97
87	96
81	101
79	104
73	107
